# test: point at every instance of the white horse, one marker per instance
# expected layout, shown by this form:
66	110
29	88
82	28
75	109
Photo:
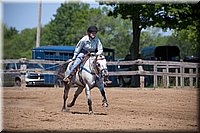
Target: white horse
90	75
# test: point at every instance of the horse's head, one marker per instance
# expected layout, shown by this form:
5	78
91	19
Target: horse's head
101	65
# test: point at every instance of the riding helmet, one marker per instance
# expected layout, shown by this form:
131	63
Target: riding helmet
92	29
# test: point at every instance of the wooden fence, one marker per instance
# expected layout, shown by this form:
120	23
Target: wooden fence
167	72
164	73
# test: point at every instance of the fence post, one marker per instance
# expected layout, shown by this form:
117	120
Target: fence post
155	76
23	72
141	82
164	78
167	77
182	73
140	68
191	78
176	78
197	78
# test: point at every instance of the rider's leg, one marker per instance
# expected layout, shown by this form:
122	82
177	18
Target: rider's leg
70	73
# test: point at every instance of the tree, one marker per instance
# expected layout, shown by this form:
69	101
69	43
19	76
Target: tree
152	37
68	25
173	16
188	38
8	34
112	31
196	18
19	45
185	39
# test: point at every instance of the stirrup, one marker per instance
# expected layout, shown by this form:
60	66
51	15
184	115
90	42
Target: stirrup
66	79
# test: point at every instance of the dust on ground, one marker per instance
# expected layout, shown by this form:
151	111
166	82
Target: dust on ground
39	109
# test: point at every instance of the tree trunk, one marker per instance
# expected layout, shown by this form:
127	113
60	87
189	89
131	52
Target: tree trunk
134	50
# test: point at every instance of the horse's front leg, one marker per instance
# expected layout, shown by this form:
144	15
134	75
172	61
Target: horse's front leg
65	95
77	93
100	85
87	91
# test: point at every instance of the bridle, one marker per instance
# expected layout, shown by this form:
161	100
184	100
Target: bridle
100	73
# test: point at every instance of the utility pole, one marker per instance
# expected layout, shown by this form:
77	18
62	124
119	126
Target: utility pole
39	23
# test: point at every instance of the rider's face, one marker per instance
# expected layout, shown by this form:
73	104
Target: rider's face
92	35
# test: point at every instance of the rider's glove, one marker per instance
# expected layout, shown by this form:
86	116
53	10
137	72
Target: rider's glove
74	57
70	60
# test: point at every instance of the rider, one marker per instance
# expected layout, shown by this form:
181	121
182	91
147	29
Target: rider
89	43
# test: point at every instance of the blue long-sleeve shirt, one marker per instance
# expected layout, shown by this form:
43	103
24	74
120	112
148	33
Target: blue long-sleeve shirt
85	45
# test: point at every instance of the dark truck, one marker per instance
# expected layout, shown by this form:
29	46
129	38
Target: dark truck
161	53
158	53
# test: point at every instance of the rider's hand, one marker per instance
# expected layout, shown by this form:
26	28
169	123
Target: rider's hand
70	60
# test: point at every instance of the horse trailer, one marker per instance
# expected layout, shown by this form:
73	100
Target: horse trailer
63	53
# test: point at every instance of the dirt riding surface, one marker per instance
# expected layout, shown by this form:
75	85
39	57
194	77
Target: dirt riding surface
39	109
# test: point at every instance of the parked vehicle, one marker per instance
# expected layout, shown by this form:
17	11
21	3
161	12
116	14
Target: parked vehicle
12	74
193	59
34	74
159	53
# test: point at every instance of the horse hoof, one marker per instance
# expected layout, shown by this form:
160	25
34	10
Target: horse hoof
65	110
70	105
105	104
90	113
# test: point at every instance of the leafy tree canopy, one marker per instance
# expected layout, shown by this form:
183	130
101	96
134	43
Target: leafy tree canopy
173	16
72	20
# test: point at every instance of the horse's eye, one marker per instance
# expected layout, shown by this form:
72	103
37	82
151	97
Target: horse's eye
98	64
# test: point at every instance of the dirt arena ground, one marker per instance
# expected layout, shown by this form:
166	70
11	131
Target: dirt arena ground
39	109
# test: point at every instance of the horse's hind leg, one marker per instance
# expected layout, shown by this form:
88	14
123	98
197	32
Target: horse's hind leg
77	93
65	95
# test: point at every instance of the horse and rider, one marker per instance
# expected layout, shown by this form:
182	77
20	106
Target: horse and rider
87	68
88	44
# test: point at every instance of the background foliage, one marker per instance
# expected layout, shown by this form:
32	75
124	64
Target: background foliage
72	19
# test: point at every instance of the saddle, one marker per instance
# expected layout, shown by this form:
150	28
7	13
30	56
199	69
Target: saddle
78	68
